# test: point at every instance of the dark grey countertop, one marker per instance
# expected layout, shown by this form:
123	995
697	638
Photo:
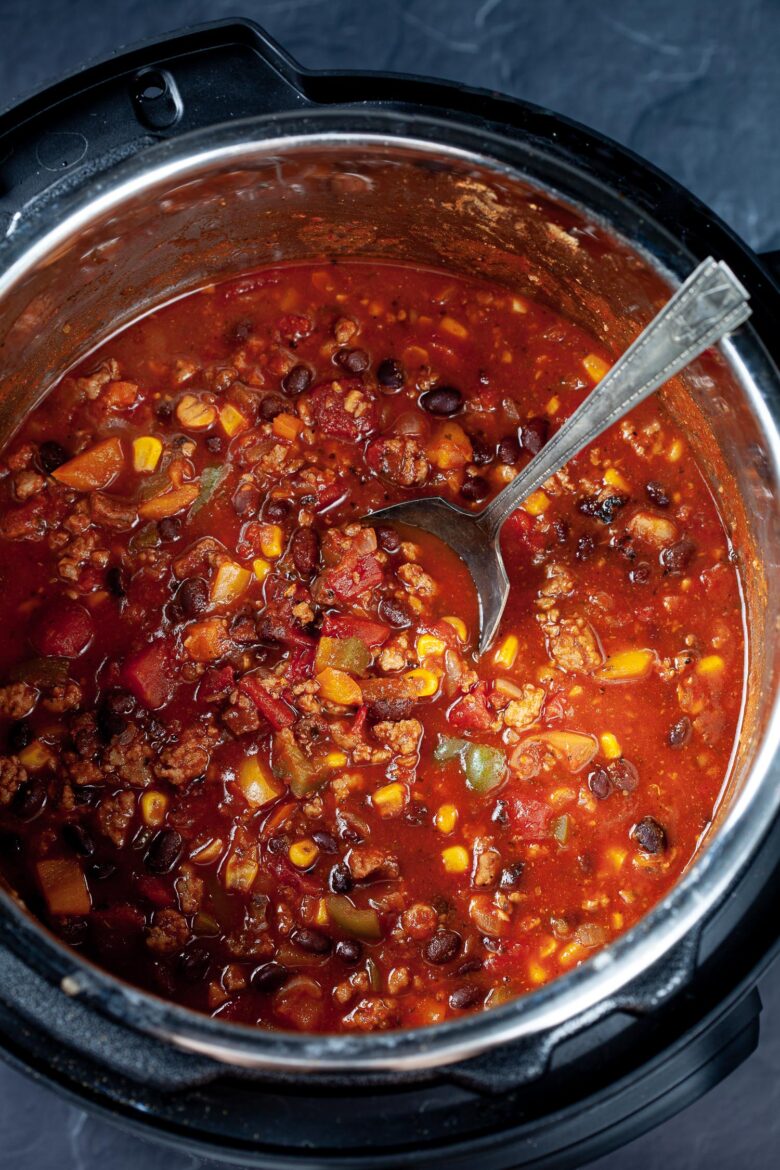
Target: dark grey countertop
691	85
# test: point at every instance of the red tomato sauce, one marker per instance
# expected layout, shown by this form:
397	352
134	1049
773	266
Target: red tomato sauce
251	761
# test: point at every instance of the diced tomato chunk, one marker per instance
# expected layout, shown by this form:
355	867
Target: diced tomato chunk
64	629
346	626
471	713
301	664
155	890
149	675
530	818
216	683
274	711
354	577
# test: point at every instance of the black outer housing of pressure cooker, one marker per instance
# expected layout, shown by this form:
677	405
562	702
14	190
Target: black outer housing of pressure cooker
529	1103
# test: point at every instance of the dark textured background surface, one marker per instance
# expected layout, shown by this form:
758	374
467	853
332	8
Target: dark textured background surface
691	85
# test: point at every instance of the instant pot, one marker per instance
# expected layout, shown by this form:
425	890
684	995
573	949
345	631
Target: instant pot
209	153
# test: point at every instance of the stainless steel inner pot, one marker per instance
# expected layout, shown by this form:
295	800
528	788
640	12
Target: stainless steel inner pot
189	211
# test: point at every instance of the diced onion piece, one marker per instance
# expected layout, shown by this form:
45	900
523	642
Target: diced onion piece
655	530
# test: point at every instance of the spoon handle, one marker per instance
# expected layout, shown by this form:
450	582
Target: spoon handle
710	304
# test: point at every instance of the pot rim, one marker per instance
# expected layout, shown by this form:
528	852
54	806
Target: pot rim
586	992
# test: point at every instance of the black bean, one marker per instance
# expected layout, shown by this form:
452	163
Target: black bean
296	380
443	947
77	838
586	546
278	844
394	613
164	851
482	452
239	332
163	409
624	775
114	582
101	870
51	455
194	963
508	450
169	529
657	493
639	574
387	538
349	951
214	444
475	488
354	361
277	509
340	879
533	434
511	875
561	530
676	557
392	710
192	596
466	996
29	800
326	842
20	735
10	844
305	551
650	835
272	405
604	510
246	499
599	783
313	941
680	732
73	930
390	374
269	977
442	401
109	721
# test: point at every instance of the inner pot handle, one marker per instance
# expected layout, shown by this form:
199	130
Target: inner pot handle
70	134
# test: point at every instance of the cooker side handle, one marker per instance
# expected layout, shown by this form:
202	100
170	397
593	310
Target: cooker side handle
72	133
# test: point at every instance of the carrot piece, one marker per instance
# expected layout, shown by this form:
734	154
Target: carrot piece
94	468
170	503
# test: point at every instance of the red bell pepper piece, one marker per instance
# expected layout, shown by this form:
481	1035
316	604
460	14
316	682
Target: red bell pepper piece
345	626
274	711
300	665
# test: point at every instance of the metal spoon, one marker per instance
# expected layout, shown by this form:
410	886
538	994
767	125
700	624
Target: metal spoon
710	304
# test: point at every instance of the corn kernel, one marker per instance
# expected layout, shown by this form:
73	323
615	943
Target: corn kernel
35	755
712	664
537	503
429	646
338	687
519	305
194	414
675	452
507	652
626	664
153	807
335	759
146	453
453	327
459	626
286	426
271	541
571	954
256	785
390	798
231	420
446	818
425	681
553	406
303	853
610	746
229	583
503	474
549	947
595	367
617	920
321	917
456	859
261	568
536	973
613	478
616	856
